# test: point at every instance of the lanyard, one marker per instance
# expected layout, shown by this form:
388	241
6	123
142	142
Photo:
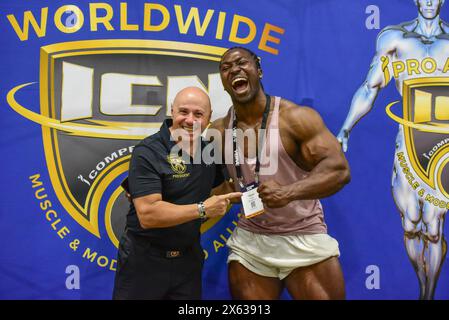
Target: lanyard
238	169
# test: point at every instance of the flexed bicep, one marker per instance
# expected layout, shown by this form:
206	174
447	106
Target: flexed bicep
320	145
316	142
321	156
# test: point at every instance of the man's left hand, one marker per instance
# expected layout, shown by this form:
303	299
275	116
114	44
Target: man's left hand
272	194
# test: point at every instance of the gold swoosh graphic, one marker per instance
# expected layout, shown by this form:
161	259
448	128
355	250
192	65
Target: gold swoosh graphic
105	129
434	128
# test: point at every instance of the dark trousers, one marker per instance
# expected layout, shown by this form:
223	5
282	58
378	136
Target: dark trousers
145	271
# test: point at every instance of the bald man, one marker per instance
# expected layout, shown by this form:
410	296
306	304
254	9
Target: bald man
160	256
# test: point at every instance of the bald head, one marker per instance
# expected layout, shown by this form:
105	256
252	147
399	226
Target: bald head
193	96
191	107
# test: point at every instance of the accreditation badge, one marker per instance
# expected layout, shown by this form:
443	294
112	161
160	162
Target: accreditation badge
252	204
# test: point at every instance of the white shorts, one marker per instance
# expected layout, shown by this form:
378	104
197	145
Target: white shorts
275	255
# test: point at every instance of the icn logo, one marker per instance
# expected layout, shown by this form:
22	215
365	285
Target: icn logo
427	104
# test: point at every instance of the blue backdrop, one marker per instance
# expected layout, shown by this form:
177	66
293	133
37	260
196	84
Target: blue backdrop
323	55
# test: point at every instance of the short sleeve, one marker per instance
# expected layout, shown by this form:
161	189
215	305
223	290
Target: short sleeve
144	178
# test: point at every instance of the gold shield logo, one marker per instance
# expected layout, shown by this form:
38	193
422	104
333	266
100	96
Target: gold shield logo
426	106
177	164
94	108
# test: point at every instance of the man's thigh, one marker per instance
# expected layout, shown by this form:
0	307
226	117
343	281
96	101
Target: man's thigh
140	275
320	281
186	276
186	288
247	285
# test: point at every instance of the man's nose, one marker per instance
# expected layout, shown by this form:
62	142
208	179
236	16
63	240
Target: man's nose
235	68
190	119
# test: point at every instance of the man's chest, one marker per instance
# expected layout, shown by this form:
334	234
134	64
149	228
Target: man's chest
180	174
253	139
424	52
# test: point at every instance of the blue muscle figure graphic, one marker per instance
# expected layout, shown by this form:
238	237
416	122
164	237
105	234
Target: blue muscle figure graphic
425	37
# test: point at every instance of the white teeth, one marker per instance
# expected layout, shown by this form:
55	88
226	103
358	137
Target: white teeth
238	79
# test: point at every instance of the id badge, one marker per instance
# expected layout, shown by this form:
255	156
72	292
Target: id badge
252	205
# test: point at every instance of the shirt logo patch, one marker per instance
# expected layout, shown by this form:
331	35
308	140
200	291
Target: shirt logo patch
178	166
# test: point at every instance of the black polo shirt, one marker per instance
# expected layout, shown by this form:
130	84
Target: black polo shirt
154	169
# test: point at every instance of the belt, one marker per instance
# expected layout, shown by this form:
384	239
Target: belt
168	253
165	252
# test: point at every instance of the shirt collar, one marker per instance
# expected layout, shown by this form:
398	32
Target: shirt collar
166	135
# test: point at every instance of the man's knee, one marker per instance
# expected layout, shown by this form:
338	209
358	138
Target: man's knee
432	235
412	228
433	220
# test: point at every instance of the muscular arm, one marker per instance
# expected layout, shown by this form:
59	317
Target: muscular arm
364	98
319	151
155	213
152	212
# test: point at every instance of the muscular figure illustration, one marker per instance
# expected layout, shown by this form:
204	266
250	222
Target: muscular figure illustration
411	52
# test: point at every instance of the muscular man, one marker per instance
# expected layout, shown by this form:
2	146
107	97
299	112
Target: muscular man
409	44
160	255
287	245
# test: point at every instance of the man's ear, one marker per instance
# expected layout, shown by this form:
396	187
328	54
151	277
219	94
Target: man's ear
260	74
210	117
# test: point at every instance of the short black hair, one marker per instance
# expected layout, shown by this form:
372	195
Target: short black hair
252	54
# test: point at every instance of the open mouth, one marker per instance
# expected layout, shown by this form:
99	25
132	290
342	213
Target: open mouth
239	84
188	129
192	131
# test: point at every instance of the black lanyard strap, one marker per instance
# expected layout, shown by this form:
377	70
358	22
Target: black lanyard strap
238	169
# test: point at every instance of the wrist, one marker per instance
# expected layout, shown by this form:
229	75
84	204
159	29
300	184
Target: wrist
201	210
289	193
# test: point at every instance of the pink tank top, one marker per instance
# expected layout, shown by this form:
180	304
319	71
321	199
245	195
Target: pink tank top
297	217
